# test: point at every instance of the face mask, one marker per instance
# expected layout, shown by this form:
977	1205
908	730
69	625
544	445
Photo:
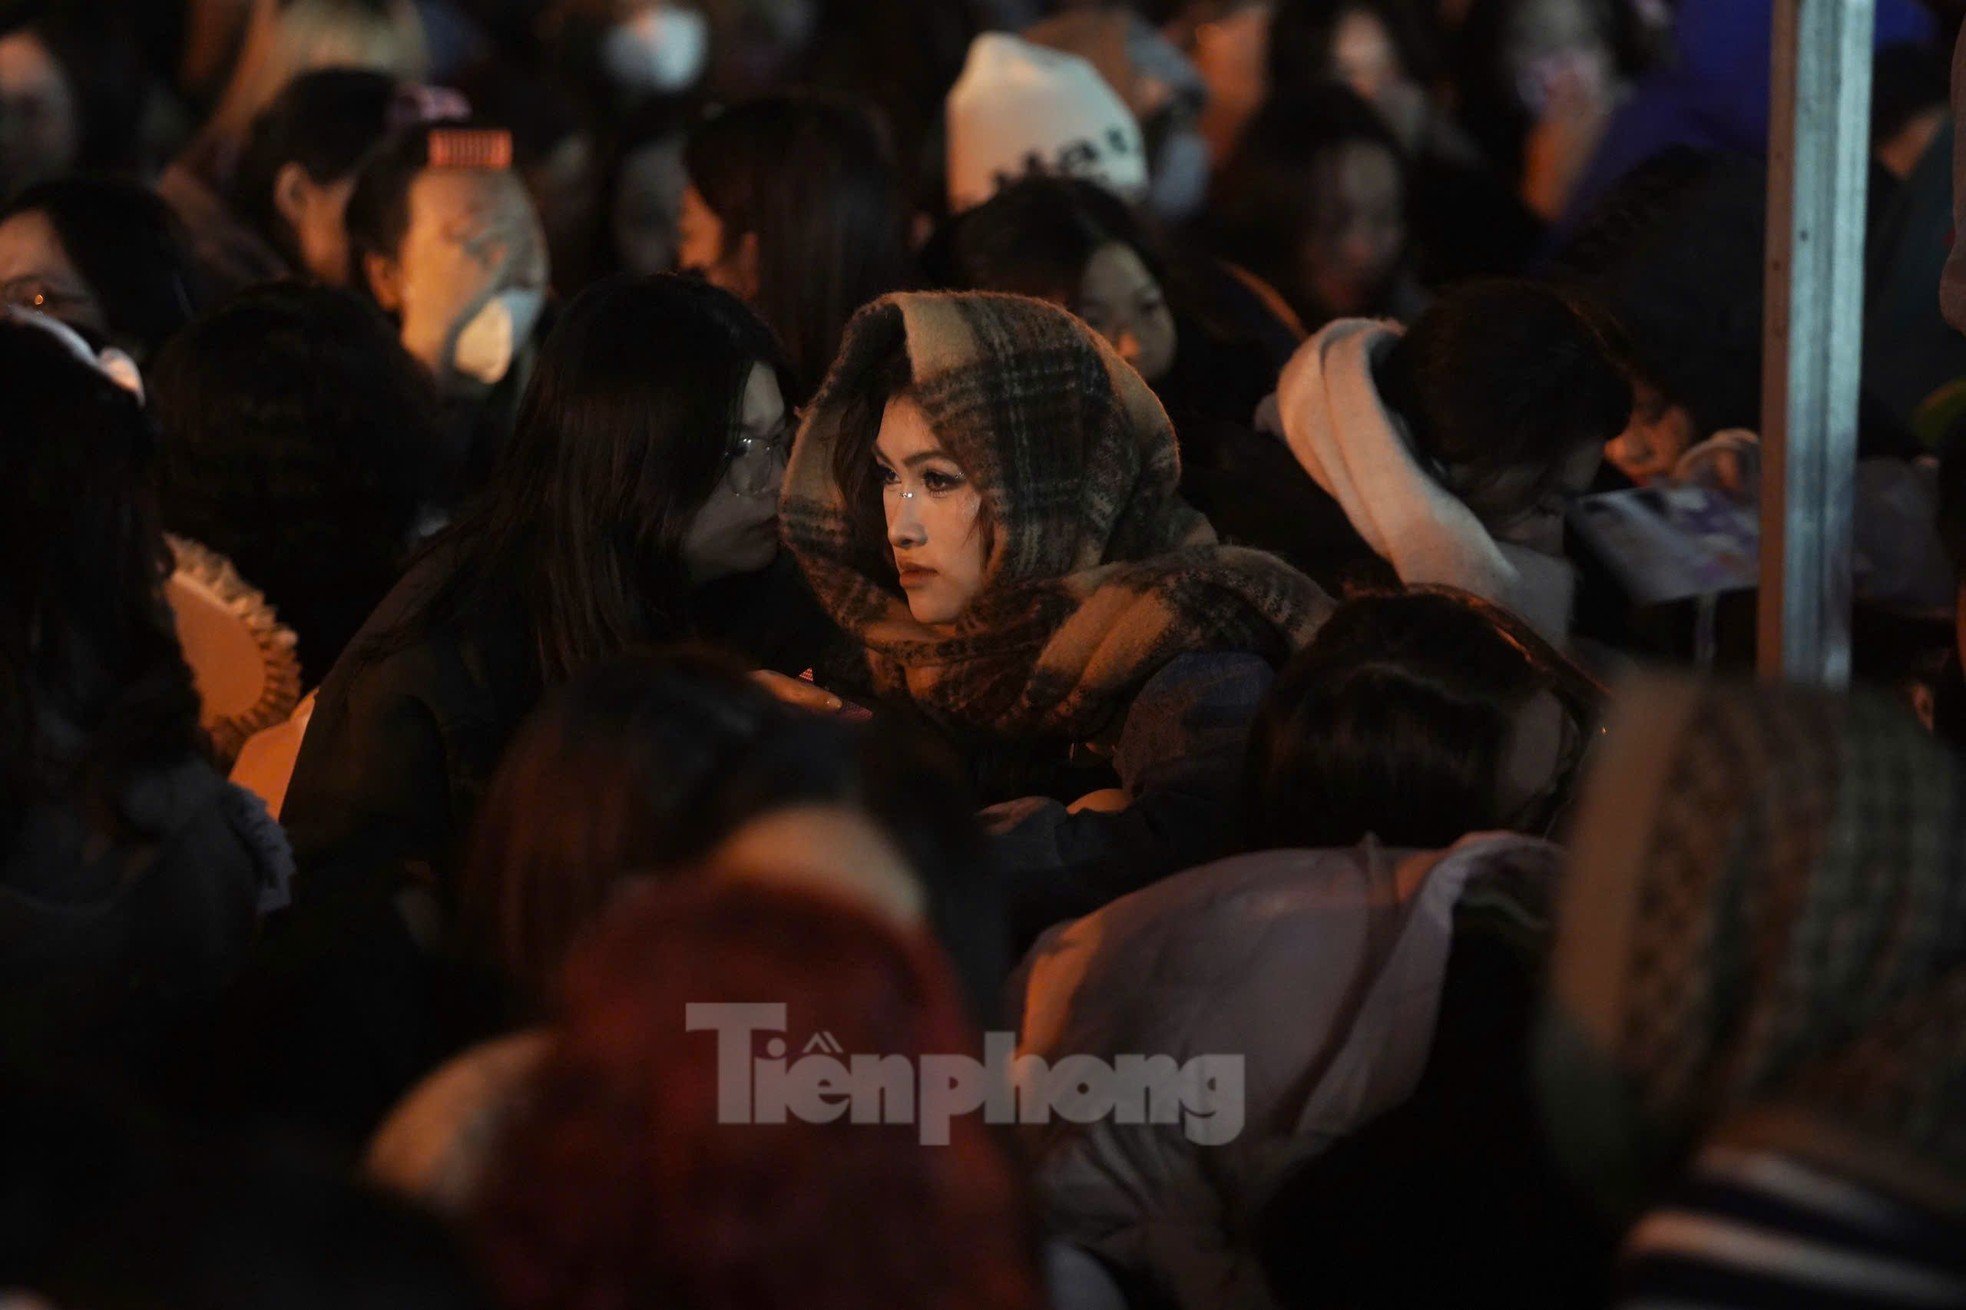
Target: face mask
660	50
486	346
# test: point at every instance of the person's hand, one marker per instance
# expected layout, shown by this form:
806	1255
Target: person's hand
805	695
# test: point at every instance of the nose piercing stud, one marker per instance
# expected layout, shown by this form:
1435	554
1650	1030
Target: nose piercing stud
907	495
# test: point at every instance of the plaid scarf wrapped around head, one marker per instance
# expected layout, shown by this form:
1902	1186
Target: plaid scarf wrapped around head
1763	941
1098	573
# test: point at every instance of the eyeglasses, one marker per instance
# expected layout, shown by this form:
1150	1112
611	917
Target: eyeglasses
753	465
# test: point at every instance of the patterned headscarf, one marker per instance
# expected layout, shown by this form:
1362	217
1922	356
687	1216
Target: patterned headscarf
1763	941
1098	573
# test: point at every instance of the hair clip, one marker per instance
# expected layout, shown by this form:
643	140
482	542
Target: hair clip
470	147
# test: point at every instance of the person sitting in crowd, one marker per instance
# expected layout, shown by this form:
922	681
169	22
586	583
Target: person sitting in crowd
132	875
652	762
300	442
1416	717
1079	246
623	1179
637	503
983	496
1449	447
794	206
299	165
1314	202
1750	1039
1465	221
73	88
103	257
1410	721
444	238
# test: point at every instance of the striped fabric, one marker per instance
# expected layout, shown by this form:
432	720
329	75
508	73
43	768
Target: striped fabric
1753	1229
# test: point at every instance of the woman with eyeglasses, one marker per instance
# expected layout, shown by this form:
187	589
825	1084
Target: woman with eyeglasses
636	504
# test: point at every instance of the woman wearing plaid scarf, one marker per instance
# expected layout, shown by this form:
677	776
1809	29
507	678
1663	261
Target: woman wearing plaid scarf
983	495
1756	1025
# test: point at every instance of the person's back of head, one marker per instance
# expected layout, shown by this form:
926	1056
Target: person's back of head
625	1181
647	763
1510	389
813	222
1416	717
300	160
125	246
299	440
1035	236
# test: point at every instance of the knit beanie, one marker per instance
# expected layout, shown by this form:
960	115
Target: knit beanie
1019	108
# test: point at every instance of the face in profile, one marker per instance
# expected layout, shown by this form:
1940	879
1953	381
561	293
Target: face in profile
934	516
736	531
1358	228
1120	299
473	237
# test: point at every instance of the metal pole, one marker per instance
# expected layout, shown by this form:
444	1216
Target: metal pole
1818	153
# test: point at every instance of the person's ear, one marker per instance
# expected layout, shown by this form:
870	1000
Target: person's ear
292	190
385	278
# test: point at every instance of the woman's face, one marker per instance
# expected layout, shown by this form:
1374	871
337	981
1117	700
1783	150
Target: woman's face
1363	56
1121	301
736	530
35	273
1358	228
40	130
934	516
1651	444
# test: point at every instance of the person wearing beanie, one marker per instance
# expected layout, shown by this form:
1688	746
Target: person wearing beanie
1162	89
1020	108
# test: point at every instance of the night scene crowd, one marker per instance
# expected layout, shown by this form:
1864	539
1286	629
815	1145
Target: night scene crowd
622	620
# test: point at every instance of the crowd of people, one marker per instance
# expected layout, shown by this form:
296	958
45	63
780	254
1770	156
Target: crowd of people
1028	531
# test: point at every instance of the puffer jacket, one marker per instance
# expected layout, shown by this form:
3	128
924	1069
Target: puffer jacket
1321	969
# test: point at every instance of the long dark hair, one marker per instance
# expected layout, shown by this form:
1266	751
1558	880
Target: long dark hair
85	636
1395	720
811	179
621	438
1264	200
293	428
645	763
1036	235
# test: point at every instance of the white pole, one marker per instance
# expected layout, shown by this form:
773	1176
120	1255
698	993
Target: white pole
1818	155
